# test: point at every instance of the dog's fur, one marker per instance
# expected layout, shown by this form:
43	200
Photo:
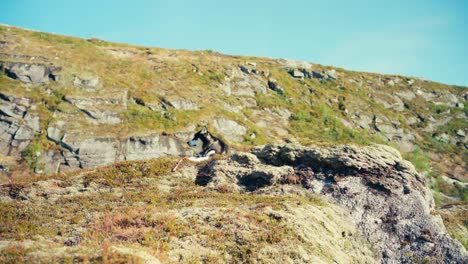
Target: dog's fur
211	145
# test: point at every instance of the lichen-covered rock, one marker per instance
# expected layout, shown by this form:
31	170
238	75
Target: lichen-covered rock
28	73
387	198
87	81
182	104
147	147
230	129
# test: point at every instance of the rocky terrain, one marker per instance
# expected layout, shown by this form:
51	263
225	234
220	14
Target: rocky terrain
278	203
69	106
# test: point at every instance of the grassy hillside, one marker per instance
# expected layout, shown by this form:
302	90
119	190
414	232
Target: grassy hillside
141	88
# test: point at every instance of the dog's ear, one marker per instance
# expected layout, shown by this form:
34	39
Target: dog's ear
204	130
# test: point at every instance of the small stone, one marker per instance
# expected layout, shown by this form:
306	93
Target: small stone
296	74
461	133
445	138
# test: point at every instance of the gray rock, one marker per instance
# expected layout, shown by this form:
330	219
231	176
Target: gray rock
182	104
54	134
332	74
51	161
90	81
296	73
24	133
239	83
317	75
96	152
427	96
406	94
148	147
243	172
448	99
244	69
460	105
28	73
387	199
21	140
11	109
461	133
92	152
272	84
32	121
251	63
233	108
103	117
230	129
7	131
444	137
362	120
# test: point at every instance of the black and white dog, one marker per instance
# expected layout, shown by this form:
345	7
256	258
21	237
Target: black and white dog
211	145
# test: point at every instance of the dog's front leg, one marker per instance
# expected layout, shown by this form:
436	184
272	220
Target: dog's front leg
203	158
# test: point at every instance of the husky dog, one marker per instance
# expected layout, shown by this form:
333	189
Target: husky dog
211	145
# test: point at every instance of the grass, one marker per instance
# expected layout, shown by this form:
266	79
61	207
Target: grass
129	210
322	125
419	159
122	173
155	73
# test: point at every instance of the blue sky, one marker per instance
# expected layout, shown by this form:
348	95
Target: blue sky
419	38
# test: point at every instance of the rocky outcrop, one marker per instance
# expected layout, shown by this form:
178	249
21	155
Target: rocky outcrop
182	104
17	124
302	73
31	73
230	129
88	81
241	82
93	152
387	199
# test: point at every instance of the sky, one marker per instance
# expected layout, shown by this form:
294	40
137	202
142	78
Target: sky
420	38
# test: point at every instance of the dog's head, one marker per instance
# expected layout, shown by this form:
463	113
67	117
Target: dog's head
200	135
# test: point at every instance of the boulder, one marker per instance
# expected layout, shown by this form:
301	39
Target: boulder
88	81
444	138
332	74
406	94
11	109
273	85
182	104
28	73
153	146
387	199
14	137
296	73
230	129
94	152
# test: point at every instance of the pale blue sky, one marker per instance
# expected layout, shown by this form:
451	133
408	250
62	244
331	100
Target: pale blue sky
422	38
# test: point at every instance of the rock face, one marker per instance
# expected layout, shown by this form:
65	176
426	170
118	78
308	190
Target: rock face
28	73
386	197
93	152
310	74
17	125
230	129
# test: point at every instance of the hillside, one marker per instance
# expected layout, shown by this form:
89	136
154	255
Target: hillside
70	105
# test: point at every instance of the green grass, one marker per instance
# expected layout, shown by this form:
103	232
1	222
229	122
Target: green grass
419	159
322	125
